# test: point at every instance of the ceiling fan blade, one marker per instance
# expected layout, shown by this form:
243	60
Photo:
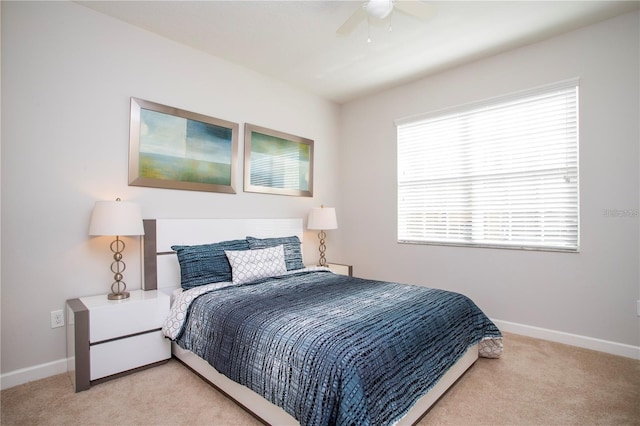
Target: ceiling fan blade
416	8
353	21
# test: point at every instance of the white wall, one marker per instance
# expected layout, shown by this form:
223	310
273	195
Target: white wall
591	294
67	76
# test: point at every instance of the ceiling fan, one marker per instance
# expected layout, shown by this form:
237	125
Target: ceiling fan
380	9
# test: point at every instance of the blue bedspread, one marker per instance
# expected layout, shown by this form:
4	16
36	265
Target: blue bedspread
332	349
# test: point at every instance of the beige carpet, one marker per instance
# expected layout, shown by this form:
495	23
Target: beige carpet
535	383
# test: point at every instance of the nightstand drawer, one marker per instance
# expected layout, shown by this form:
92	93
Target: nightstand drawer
141	312
128	353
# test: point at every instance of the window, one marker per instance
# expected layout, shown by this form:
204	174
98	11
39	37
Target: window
498	173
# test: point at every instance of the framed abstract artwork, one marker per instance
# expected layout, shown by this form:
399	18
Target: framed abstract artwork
277	162
177	149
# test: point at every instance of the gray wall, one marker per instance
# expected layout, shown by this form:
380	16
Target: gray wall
591	294
67	76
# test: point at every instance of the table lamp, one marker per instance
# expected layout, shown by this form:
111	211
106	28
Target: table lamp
322	218
117	218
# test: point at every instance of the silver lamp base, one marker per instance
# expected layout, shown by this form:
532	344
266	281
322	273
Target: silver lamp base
323	248
118	296
117	267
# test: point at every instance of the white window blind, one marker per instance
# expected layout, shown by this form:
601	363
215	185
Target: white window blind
500	173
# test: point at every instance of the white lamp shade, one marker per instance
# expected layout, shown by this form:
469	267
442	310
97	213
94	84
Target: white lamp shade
116	218
322	218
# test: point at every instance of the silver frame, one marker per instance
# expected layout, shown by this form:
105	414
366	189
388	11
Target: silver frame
134	149
249	130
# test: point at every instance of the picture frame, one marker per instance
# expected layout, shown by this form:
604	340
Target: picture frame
176	149
277	163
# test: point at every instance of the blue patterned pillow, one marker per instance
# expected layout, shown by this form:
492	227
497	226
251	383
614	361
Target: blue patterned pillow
206	263
292	250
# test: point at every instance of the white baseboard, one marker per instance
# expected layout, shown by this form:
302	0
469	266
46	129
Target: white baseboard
614	348
37	372
29	374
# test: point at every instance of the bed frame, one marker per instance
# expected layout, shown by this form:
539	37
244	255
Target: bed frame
161	271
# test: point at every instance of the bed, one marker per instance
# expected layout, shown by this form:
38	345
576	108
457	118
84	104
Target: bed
299	345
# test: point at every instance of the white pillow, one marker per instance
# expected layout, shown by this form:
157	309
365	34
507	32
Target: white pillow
251	265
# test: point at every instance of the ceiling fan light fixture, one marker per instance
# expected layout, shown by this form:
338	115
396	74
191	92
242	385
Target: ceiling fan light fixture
379	9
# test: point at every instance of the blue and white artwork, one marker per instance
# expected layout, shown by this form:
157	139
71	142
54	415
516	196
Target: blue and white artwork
180	149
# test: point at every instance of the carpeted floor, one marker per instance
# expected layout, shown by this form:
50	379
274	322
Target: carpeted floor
536	382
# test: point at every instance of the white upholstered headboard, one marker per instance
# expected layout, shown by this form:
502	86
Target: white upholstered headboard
161	269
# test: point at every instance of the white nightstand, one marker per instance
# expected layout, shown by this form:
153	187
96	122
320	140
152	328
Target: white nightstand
338	268
108	338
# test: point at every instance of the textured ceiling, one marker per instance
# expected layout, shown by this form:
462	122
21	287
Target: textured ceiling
296	41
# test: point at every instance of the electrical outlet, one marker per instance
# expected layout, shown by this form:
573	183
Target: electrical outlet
57	319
